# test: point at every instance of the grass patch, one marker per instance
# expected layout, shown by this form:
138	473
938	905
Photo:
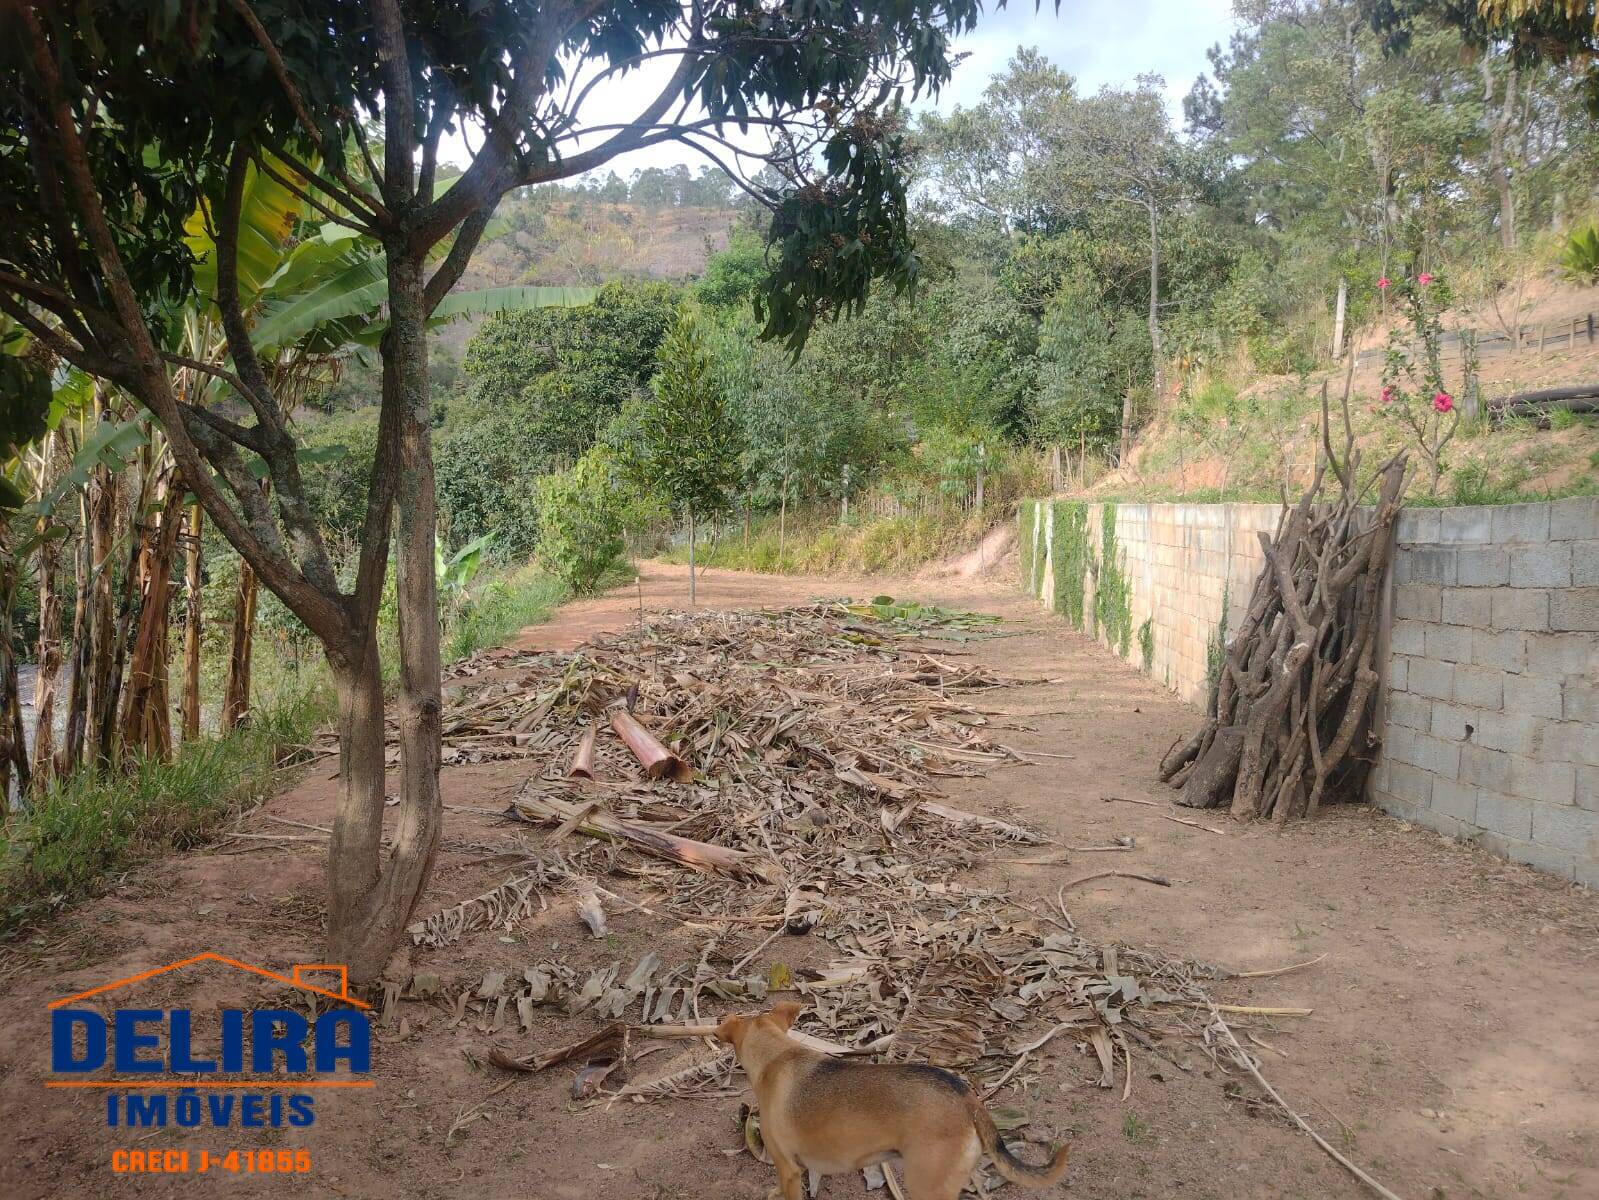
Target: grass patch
502	608
81	829
876	547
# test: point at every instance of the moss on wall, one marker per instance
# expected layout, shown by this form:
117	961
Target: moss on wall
1070	555
1026	521
1113	591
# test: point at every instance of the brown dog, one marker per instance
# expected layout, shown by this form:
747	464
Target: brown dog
828	1115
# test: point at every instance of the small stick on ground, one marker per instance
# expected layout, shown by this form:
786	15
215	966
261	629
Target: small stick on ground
1270	971
1128	800
1195	824
1248	1063
1157	880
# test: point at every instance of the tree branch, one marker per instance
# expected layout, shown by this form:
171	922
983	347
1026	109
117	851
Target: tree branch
356	198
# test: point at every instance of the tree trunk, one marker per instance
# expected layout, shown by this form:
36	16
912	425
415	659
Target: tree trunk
191	627
1498	138
71	753
13	746
102	609
1340	310
1126	447
370	900
146	720
691	595
236	694
49	652
1154	305
782	523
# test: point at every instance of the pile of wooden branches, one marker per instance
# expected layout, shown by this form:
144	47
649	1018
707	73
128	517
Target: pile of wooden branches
1288	720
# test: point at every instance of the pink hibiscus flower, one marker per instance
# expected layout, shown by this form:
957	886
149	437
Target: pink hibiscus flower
1384	284
1424	279
1443	402
1388	395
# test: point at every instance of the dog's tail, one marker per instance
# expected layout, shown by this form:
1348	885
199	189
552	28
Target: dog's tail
1008	1165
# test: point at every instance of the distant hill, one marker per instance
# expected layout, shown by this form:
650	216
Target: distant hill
585	240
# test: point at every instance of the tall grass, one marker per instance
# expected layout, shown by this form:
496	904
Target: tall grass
99	820
502	608
809	547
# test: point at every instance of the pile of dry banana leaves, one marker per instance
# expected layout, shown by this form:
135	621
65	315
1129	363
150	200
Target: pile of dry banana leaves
794	833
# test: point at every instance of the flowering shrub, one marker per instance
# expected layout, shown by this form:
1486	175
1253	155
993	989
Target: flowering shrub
1413	391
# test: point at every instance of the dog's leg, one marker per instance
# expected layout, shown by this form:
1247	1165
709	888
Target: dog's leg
790	1176
939	1172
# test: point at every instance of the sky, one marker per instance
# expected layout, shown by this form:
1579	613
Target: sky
1101	42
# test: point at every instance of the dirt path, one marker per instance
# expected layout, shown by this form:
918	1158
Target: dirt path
1453	1050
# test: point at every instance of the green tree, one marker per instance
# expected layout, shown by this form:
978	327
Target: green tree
688	445
118	120
581	519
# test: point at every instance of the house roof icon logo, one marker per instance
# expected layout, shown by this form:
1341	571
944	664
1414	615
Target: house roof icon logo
297	978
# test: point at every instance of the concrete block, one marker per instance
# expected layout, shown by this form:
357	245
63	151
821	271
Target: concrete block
1479	687
1407	637
1431	818
1466	606
1581	704
1413	712
1543	858
1418	525
1400	744
1458	800
1532	697
1510	732
1409	784
1418	602
1506	651
1566	827
1574	518
1545	564
1588	788
1555	655
1486	768
1482	566
1452	722
1399	673
1587	873
1509	815
1464	526
1436	755
1426	564
1585	563
1451	643
1539	779
1433	679
1521	522
1521	608
1574	609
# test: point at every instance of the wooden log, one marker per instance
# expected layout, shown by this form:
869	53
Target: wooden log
583	761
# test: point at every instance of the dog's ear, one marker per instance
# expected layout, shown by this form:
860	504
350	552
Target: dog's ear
731	1030
786	1012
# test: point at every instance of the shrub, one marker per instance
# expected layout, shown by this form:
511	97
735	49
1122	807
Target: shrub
1579	258
580	520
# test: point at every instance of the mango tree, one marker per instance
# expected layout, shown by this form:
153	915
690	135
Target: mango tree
118	119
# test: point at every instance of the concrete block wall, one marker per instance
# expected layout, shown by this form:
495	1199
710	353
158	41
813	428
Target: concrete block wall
1491	723
1490	717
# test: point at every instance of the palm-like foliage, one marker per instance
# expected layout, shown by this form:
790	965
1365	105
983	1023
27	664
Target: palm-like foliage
1579	260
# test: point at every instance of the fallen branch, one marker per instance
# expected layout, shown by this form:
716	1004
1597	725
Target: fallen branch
1244	1060
1157	880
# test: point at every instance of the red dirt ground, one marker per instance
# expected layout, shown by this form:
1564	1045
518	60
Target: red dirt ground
1453	1050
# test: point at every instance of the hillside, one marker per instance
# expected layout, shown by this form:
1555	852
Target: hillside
1220	439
